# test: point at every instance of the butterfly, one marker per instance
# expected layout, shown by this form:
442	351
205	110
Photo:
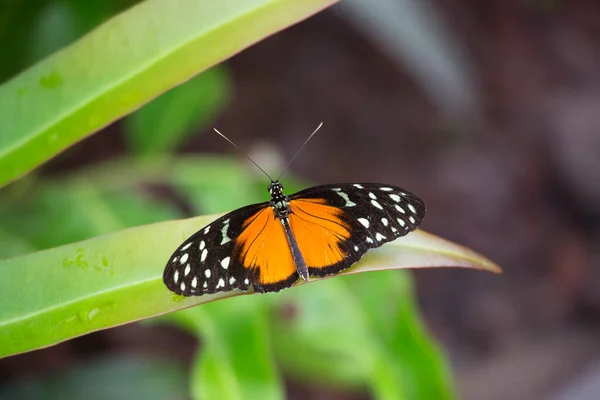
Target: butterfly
268	246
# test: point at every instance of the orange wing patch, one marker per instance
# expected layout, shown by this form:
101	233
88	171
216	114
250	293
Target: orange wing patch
319	230
262	246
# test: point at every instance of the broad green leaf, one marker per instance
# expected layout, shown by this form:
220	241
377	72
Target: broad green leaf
123	64
57	294
17	20
56	26
105	198
214	185
80	210
181	170
361	331
328	324
32	30
236	360
410	365
11	245
167	121
220	375
134	209
210	184
129	377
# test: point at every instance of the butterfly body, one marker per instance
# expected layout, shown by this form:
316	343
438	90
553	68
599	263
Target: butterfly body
280	204
268	246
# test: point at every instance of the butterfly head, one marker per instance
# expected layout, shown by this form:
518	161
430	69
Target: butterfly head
275	189
279	201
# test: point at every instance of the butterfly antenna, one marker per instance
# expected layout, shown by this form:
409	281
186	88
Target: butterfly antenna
299	150
244	153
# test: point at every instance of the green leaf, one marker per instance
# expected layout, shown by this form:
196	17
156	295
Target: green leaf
327	323
123	64
12	245
108	197
410	365
361	331
17	20
211	184
167	121
57	294
215	185
32	30
236	360
55	27
80	209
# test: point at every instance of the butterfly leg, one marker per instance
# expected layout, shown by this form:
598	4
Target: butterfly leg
296	254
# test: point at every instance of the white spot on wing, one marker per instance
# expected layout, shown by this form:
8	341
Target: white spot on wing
394	229
174	259
355	248
412	220
203	255
401	222
207	273
384	221
387	189
376	204
372	195
364	222
202	244
369	240
221	283
194	282
205	284
400	209
356	185
186	246
336	189
412	208
184	258
225	262
231	280
379	237
224	232
207	229
395	197
246	281
182	286
344	196
176	276
188	268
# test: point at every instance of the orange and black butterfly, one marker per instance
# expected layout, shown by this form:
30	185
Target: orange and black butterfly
316	232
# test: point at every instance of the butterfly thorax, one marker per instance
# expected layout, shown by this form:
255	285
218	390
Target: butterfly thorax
279	201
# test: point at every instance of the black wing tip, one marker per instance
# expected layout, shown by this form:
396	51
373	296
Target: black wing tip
167	279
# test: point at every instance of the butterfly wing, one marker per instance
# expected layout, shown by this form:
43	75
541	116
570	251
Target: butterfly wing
335	225
244	248
206	262
263	249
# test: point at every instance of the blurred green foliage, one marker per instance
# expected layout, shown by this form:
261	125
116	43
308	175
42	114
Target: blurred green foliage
361	333
161	125
31	30
117	377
